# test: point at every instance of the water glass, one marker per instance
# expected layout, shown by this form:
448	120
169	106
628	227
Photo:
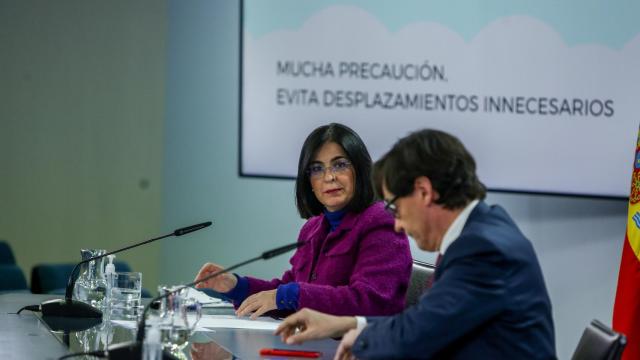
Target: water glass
179	315
90	286
126	296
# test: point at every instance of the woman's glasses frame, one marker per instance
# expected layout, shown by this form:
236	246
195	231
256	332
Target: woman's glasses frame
318	170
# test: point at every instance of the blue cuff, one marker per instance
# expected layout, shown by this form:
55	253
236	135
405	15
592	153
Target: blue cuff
240	292
287	296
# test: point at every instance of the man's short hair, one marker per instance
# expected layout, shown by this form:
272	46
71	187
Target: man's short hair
440	157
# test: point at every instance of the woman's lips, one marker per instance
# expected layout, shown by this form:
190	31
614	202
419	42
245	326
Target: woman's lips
332	191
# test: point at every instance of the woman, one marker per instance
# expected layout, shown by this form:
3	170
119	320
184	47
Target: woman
354	262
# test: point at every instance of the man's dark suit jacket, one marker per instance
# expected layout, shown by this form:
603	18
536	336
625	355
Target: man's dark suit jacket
488	301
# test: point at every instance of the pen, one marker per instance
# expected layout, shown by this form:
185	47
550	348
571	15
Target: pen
288	352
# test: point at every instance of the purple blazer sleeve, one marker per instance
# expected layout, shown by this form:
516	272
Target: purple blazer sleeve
361	268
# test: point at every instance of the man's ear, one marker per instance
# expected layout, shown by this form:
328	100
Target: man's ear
424	187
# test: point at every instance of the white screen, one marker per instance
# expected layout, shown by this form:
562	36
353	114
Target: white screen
541	109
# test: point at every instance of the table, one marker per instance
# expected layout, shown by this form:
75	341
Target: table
27	336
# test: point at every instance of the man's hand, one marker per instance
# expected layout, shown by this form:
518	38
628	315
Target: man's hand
258	304
344	349
310	325
222	283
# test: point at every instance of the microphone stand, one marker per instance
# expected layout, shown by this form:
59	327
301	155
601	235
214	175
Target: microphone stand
68	307
133	350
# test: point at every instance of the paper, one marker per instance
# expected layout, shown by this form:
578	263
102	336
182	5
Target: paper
233	322
130	324
208	322
206	300
127	324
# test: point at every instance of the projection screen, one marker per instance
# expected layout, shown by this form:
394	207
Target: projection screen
543	96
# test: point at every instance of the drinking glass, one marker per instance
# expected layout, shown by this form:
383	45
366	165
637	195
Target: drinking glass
126	296
91	286
179	315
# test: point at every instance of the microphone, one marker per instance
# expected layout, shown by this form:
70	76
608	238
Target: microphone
68	307
133	350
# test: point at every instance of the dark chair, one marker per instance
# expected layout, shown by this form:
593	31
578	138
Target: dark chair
53	278
599	342
50	278
420	274
6	255
12	278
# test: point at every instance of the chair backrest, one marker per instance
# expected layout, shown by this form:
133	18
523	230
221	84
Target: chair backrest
599	342
12	278
420	273
6	255
50	278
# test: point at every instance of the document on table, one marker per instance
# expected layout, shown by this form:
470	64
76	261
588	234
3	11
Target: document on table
130	324
206	300
211	322
234	322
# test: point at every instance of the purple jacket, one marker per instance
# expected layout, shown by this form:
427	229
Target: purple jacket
361	268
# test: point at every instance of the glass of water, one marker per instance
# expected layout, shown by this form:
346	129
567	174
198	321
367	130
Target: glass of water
126	296
179	315
90	286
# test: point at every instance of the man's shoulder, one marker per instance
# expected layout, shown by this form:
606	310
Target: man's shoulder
492	224
490	230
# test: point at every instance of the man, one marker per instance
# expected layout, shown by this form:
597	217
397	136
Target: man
488	299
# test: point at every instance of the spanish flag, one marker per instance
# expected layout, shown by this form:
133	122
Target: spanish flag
626	310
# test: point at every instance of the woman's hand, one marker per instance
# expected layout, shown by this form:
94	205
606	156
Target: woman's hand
258	304
222	283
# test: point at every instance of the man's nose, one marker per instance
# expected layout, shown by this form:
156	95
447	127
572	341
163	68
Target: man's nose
397	226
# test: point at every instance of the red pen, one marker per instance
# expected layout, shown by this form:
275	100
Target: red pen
289	352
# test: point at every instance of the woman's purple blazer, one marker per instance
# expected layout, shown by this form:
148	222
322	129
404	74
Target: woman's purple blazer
361	268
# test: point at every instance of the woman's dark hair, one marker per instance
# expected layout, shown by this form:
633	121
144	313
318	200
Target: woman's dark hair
306	201
440	157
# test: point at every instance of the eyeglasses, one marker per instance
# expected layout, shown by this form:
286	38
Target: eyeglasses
338	167
391	207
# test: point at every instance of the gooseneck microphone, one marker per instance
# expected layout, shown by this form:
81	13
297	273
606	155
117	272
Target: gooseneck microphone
68	307
133	350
